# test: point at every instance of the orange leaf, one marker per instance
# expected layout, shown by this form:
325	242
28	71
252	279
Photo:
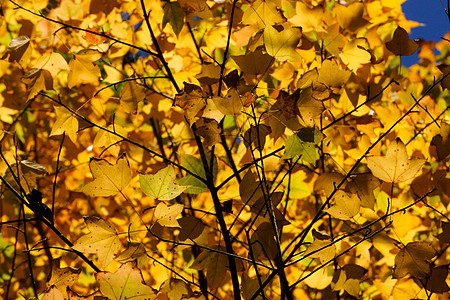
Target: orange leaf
93	38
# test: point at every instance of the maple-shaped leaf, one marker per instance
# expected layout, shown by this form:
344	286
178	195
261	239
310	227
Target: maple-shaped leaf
109	140
53	62
346	206
167	215
38	80
333	40
126	283
174	288
231	104
195	165
263	13
102	240
256	136
324	255
332	75
413	259
401	44
134	252
287	104
108	179
304	143
348	278
65	122
215	264
354	54
351	17
131	95
93	38
210	130
254	63
27	172
161	186
210	74
250	189
191	100
308	18
441	142
395	166
444	236
83	70
53	293
62	278
17	48
174	15
364	185
191	227
281	42
436	283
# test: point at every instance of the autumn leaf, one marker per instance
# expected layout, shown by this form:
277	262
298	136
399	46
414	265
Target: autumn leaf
17	48
256	136
108	179
346	206
62	278
256	62
102	240
191	227
82	71
304	144
231	104
348	278
263	13
395	166
175	288
191	100
161	186
134	252
354	54
38	80
436	283
351	17
195	165
307	17
444	236
94	39
325	251
215	264
166	215
401	44
280	42
65	122
413	259
131	95
332	75
210	130
125	283
174	15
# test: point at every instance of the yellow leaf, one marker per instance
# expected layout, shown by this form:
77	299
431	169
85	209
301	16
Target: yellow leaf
210	130
346	206
332	75
108	179
254	63
102	240
166	215
62	278
126	283
401	44
395	166
65	122
215	265
134	252
191	100
53	62
413	259
325	254
161	186
309	18
351	17
131	95
354	54
333	40
82	72
231	104
263	13
38	80
281	42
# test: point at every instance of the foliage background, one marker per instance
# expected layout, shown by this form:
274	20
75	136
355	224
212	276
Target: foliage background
221	149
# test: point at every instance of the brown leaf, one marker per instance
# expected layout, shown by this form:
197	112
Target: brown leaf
413	259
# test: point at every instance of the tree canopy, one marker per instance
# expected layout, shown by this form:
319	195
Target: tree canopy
199	149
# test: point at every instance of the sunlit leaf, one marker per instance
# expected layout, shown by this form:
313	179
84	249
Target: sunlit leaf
108	179
280	42
413	259
65	122
161	186
131	95
102	240
62	278
395	166
346	206
166	215
125	283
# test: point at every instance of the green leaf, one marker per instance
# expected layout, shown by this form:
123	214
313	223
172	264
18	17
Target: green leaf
161	185
281	42
303	143
195	165
174	15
